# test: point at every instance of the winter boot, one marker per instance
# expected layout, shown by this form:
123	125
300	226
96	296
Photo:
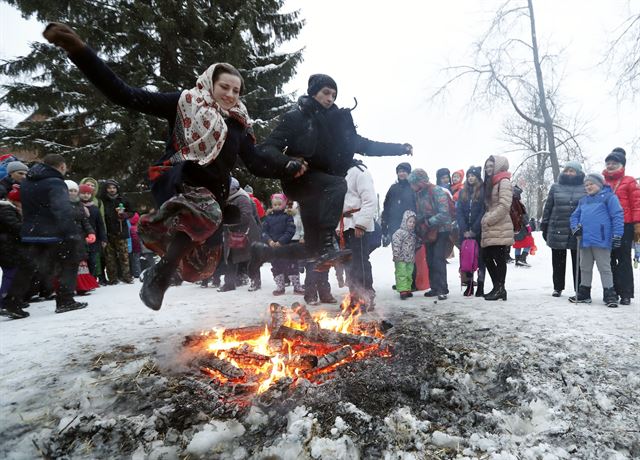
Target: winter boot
521	261
610	297
480	289
255	285
12	309
404	295
499	292
155	282
329	254
468	292
625	300
297	288
582	296
69	305
556	293
326	297
279	279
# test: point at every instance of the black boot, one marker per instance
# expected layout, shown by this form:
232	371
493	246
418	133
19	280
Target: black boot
480	289
330	255
499	293
582	296
12	309
157	279
610	297
155	282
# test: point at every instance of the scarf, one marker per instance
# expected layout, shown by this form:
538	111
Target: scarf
200	127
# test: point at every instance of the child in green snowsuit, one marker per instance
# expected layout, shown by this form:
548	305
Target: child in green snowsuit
403	244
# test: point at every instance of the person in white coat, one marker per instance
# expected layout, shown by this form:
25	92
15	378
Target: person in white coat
358	214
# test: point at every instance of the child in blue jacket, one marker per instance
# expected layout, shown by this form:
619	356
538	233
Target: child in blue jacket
599	222
278	229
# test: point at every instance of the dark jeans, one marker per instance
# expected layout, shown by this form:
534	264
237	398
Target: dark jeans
321	197
59	259
621	264
359	274
284	267
92	262
437	253
7	278
316	284
495	259
559	263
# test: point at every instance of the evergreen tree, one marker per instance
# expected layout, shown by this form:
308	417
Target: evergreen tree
157	44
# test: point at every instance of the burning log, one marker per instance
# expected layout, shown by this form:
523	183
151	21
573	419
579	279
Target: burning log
224	367
371	327
247	356
243	333
323	336
305	317
334	357
304	362
278	316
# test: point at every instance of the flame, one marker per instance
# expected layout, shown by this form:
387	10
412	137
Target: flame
265	361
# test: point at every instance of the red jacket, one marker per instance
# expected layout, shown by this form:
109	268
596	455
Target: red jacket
259	206
628	192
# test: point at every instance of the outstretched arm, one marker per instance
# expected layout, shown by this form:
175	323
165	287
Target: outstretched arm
377	149
117	91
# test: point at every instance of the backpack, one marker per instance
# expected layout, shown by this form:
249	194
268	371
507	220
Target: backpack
469	255
4	162
517	212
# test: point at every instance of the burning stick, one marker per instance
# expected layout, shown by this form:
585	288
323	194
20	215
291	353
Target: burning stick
224	367
323	336
334	357
278	316
305	317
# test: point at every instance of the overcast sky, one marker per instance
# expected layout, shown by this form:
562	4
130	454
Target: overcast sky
390	54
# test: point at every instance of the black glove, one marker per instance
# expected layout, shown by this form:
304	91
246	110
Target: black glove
386	241
543	229
616	242
544	235
577	231
292	168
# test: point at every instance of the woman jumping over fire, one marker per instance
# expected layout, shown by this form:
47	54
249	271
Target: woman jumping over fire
210	128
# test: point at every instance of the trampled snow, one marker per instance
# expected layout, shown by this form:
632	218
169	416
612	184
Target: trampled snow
578	366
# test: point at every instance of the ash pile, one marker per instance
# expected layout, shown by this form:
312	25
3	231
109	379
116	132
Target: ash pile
453	398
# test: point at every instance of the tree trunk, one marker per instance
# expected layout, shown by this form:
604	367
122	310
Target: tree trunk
548	119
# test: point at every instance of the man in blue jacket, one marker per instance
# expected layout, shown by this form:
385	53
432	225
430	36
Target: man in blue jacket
51	234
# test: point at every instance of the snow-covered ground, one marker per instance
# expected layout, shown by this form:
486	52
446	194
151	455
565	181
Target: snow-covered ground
577	373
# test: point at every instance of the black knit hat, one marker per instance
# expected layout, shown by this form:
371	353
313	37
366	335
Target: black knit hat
318	81
403	167
475	171
618	155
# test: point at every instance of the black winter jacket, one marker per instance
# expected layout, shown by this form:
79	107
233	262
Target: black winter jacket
399	199
46	210
97	223
11	251
561	202
469	214
239	140
278	226
325	138
81	218
116	226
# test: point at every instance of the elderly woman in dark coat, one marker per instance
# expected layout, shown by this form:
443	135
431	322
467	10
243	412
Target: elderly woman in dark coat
210	128
562	200
244	223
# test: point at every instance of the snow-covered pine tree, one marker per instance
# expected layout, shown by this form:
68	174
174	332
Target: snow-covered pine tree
159	44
